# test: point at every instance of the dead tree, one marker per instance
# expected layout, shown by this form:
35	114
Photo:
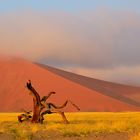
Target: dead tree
26	116
39	105
51	108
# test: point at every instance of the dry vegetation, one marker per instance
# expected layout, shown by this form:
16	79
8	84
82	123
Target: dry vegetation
82	126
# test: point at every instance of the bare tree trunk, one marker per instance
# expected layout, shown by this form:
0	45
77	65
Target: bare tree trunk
36	103
36	113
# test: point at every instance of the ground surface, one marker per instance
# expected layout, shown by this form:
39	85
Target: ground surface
83	126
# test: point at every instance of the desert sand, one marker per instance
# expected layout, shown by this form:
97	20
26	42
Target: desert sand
88	93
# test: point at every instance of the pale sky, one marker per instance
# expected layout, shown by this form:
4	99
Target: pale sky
99	39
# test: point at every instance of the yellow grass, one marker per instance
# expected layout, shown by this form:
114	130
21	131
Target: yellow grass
135	137
81	125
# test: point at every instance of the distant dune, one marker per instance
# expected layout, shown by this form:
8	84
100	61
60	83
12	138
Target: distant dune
88	93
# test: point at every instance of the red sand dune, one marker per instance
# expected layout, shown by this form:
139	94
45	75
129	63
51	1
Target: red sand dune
89	94
121	92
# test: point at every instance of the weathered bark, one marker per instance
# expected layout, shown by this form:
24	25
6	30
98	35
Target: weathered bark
26	116
37	106
64	105
56	109
64	119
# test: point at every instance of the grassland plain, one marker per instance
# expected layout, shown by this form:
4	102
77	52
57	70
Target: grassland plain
83	126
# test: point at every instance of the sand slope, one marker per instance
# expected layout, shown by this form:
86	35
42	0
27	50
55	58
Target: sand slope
121	92
14	96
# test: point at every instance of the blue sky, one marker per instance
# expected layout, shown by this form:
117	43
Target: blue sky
69	5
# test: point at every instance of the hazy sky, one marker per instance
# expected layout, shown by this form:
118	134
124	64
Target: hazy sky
97	38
